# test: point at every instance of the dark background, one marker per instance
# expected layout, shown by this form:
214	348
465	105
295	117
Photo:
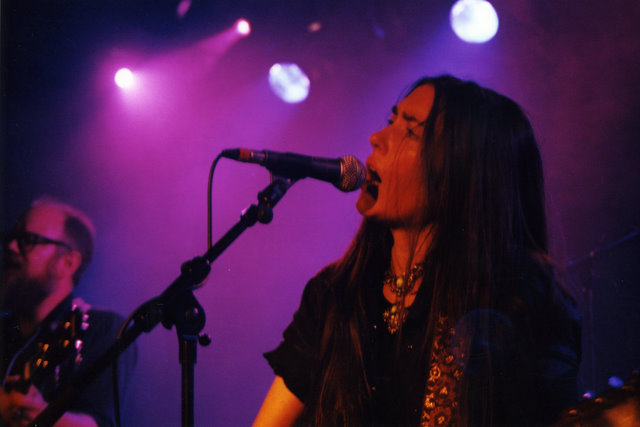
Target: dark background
139	166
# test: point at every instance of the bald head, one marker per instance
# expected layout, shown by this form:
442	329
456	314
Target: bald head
69	225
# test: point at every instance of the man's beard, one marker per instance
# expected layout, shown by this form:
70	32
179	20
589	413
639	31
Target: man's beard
23	296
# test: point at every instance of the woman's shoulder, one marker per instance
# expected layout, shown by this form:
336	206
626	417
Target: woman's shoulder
320	290
533	291
532	278
322	282
541	295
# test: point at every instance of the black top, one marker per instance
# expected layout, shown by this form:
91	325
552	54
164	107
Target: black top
532	383
103	326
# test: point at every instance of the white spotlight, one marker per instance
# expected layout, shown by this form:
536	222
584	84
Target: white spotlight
289	82
124	78
474	21
243	27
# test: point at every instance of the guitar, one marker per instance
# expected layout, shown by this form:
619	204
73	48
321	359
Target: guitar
619	407
58	352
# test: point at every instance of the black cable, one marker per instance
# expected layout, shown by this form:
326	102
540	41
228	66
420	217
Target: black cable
209	200
114	370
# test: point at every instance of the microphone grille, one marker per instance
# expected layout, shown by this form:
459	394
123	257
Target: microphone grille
353	174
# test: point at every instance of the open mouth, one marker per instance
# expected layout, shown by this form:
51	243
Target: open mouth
371	186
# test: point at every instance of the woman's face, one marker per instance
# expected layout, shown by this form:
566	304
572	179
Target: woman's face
395	191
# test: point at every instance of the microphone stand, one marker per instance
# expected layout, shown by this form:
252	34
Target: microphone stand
175	306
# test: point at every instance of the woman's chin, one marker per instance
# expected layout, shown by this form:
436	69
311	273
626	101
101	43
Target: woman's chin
365	202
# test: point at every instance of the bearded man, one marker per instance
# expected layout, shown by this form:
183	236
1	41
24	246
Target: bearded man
48	336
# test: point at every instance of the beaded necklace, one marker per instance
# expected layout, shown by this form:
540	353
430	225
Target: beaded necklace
401	286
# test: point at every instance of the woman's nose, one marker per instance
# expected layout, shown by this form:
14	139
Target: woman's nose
378	140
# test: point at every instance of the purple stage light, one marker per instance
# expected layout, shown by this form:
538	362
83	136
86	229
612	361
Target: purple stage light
183	8
124	78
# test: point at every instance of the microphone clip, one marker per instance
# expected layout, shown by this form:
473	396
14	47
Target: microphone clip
269	196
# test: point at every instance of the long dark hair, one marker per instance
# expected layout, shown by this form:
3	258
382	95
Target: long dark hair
485	195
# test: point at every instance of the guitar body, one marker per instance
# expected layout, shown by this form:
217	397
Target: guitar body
618	407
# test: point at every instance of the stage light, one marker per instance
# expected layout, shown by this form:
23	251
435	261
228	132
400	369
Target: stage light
243	27
314	27
183	8
615	382
124	78
289	82
588	394
474	21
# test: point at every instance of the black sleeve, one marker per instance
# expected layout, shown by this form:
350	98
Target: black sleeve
97	399
559	352
550	329
297	355
534	375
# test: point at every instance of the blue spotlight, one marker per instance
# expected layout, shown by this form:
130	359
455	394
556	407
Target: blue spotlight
474	21
615	382
289	82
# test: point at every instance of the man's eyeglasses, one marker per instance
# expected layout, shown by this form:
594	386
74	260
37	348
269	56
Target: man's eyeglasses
27	240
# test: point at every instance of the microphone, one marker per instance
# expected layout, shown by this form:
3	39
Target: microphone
345	173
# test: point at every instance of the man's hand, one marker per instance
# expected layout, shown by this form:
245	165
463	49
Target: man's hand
20	409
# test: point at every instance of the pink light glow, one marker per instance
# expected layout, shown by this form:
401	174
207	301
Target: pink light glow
243	27
183	8
124	78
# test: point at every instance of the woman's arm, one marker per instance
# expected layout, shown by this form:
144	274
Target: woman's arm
280	406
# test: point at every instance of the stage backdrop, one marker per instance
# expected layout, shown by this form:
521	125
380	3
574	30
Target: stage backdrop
138	161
